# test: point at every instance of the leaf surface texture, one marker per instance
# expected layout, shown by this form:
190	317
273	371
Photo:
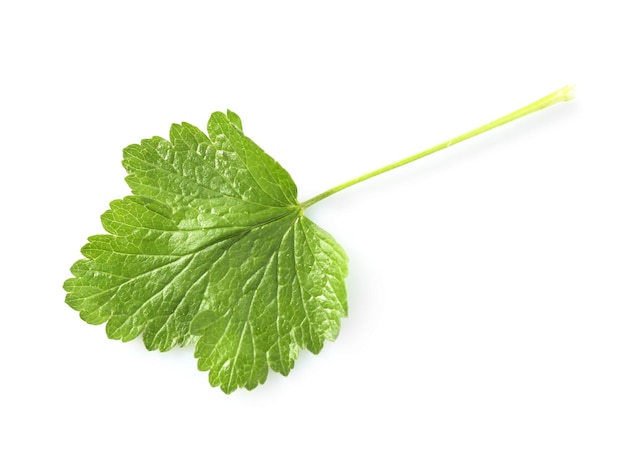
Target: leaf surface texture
212	249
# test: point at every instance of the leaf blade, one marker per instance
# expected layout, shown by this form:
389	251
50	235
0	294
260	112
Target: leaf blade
212	248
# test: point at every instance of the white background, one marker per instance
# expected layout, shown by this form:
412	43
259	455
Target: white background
487	283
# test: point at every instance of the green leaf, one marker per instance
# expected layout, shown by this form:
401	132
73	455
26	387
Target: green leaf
212	248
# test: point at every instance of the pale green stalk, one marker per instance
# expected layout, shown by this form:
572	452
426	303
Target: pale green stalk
562	95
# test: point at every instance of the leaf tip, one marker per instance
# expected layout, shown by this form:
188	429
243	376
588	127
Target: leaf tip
234	119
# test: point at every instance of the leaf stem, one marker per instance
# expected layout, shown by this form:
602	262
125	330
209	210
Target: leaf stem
562	95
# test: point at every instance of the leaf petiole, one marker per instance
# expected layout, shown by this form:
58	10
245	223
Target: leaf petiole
562	95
